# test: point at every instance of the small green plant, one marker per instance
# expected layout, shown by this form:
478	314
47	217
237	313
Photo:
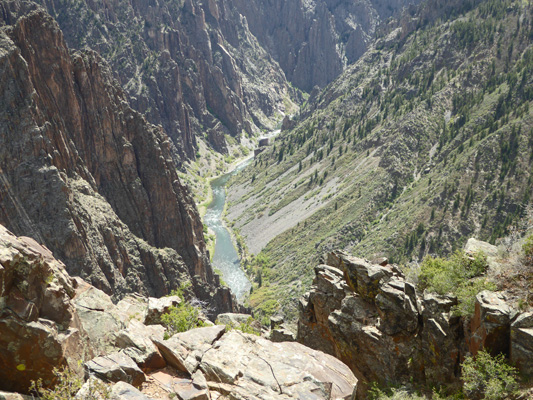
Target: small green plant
245	327
459	275
527	248
184	316
487	377
67	385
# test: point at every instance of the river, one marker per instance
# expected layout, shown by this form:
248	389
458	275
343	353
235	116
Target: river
226	259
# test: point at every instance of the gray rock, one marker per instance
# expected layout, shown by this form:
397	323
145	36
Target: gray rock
522	343
157	307
233	319
115	367
136	343
124	391
253	367
282	334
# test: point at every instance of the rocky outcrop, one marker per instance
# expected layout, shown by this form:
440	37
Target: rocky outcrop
45	314
39	325
371	318
193	67
88	176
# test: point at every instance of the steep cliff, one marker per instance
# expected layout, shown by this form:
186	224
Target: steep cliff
422	143
391	333
191	66
313	41
86	175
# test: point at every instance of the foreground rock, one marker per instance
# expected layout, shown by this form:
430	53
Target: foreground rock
368	316
240	365
39	325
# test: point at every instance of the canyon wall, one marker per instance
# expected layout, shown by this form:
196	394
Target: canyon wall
88	176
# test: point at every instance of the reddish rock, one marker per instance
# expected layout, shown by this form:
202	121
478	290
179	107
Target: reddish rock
39	326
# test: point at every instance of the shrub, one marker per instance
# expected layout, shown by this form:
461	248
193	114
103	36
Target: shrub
487	377
67	385
181	318
527	247
245	327
184	316
458	275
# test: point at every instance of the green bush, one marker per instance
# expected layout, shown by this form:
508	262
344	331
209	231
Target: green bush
67	385
245	327
527	247
458	275
182	317
487	377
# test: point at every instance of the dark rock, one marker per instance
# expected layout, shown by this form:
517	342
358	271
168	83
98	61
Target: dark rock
522	343
87	175
115	367
39	326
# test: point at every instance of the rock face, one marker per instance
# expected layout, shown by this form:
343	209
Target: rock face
240	365
369	317
88	176
314	41
191	66
39	325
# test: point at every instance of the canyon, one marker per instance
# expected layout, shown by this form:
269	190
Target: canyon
406	130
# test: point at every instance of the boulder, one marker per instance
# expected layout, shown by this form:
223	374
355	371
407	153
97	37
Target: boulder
39	326
491	324
184	350
249	366
136	343
96	311
282	334
115	367
364	277
233	319
522	343
157	307
125	391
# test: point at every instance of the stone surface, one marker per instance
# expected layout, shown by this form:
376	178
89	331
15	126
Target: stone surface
522	343
95	310
255	368
490	325
157	307
125	391
135	342
39	326
115	367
